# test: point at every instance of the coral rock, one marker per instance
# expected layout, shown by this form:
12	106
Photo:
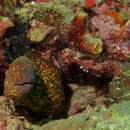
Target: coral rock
7	119
92	45
5	23
38	31
119	87
116	117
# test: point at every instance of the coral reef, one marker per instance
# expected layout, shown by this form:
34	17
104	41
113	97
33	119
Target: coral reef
84	97
5	23
51	13
7	8
67	57
39	31
116	117
119	86
8	120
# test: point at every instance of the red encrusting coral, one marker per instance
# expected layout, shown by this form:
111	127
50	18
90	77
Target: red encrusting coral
76	32
89	3
115	16
106	68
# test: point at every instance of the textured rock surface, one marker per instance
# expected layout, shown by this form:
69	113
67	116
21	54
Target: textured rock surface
39	31
5	23
93	45
120	85
83	97
116	117
7	119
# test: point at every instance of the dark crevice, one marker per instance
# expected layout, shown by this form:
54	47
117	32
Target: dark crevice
30	83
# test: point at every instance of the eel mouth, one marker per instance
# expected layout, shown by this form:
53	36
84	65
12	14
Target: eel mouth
23	88
25	83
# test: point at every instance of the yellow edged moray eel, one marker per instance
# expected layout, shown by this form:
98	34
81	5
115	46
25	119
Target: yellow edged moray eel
34	83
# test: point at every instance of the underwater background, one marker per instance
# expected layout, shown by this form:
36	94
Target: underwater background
64	64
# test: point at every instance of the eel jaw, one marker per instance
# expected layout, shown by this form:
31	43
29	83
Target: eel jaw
24	88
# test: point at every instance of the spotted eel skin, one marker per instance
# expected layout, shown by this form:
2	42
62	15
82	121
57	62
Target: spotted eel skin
45	96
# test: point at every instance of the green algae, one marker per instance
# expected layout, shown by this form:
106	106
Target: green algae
7	8
46	12
114	118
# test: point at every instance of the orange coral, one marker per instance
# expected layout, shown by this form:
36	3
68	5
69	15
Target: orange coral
89	3
77	31
116	16
4	24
